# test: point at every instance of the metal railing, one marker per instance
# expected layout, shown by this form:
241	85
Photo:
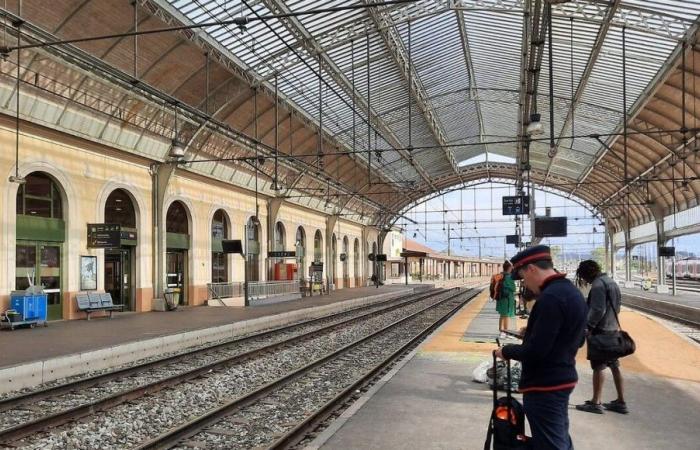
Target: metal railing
224	290
263	289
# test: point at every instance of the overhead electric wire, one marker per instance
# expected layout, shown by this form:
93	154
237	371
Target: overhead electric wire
434	147
241	21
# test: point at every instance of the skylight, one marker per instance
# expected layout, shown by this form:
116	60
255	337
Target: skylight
492	157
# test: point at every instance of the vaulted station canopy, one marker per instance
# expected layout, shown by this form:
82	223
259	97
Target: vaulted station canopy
361	108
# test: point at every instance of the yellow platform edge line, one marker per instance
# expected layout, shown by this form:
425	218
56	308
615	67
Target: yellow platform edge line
660	351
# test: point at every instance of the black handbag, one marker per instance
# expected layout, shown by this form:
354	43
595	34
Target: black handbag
610	345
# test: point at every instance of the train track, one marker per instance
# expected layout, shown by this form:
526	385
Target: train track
25	420
282	412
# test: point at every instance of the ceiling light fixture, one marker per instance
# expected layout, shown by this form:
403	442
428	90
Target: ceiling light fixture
177	150
535	126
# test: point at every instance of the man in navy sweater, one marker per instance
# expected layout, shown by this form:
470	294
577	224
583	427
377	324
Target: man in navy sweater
554	333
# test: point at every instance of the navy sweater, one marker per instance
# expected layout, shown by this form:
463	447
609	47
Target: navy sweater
555	331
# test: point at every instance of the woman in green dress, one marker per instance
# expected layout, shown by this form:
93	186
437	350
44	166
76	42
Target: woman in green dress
505	305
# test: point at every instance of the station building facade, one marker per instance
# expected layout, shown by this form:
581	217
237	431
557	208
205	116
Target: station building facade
427	265
71	182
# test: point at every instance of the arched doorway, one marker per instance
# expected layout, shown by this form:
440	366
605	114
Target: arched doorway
318	246
177	226
300	244
119	266
280	270
334	261
345	255
317	277
367	264
253	249
220	226
356	265
40	239
375	264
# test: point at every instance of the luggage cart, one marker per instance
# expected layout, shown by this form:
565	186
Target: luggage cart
27	309
14	319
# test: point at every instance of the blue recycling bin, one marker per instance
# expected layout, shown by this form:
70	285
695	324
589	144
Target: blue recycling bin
31	306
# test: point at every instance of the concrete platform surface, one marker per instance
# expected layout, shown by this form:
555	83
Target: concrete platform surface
74	336
431	402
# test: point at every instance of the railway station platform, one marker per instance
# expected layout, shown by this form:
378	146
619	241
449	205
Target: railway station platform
66	348
429	401
684	298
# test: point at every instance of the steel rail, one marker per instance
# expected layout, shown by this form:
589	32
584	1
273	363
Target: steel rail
310	423
19	431
184	431
12	402
663	315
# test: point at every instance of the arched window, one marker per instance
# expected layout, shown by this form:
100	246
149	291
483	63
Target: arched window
40	236
334	259
39	197
375	265
346	252
253	256
176	220
280	237
318	246
120	209
219	259
300	247
356	266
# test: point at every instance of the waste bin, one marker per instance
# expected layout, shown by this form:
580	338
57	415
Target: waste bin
172	298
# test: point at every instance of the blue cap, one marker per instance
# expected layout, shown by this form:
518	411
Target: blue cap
529	255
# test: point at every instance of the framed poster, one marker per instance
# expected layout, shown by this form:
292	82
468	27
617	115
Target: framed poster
88	273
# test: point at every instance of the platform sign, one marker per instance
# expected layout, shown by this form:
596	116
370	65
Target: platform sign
515	205
104	235
513	239
281	254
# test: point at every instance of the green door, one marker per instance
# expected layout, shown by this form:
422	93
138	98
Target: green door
39	263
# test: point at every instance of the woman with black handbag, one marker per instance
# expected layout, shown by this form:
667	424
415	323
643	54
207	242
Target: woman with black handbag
606	341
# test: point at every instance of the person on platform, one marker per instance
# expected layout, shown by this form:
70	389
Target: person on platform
505	303
554	333
603	296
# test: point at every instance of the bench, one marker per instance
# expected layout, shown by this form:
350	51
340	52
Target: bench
96	301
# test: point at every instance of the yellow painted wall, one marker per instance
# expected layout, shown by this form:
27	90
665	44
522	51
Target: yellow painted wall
87	173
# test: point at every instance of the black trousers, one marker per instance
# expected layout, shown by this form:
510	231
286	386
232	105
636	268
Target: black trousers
548	416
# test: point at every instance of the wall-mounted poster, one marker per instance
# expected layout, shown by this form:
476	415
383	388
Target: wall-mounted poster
88	273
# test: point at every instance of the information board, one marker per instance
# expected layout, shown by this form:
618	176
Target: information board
515	205
104	235
550	227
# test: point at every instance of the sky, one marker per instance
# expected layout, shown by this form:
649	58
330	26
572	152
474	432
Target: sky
486	225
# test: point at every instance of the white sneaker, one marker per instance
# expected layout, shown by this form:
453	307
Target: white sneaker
502	335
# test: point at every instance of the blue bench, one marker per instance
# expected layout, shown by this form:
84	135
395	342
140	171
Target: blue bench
96	301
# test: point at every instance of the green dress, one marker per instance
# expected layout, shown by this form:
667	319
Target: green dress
506	302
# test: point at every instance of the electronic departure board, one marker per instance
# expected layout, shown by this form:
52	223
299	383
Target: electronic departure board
550	226
515	205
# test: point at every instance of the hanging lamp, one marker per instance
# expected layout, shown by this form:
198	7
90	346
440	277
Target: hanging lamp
177	150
